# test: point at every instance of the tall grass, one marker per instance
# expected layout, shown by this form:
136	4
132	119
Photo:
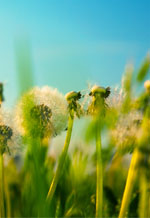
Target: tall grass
104	176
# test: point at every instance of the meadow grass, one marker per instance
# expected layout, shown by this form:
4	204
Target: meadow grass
104	173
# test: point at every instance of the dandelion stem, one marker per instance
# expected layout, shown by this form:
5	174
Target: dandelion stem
8	204
2	213
62	158
132	173
99	172
143	204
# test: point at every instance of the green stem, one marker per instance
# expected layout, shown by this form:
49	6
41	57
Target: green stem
2	213
99	175
132	173
7	197
148	199
143	204
62	159
57	208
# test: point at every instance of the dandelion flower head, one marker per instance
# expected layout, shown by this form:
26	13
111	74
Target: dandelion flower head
46	103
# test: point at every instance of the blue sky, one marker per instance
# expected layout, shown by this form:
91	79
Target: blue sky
73	42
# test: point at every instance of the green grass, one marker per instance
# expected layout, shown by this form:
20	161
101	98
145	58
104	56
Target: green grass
104	173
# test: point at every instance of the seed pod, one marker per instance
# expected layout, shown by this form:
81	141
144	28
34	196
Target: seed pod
98	90
98	104
73	96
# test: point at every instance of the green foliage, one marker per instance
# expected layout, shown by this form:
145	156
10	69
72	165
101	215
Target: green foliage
28	178
24	65
127	87
143	71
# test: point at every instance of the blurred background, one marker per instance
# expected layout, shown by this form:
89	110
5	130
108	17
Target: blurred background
68	43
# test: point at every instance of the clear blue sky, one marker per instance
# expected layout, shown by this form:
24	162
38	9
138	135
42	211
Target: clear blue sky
73	41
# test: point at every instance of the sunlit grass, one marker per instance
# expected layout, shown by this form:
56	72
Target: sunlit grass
100	182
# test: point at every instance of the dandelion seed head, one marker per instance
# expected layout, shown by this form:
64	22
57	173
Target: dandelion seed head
42	115
10	139
116	98
42	112
6	132
124	135
99	90
73	104
73	96
48	104
97	105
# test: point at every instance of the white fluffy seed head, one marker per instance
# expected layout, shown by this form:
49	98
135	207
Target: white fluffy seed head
116	98
14	143
125	133
51	98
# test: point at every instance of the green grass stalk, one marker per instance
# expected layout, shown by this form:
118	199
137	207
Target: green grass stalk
143	204
8	204
132	173
2	209
57	208
148	199
99	174
62	158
